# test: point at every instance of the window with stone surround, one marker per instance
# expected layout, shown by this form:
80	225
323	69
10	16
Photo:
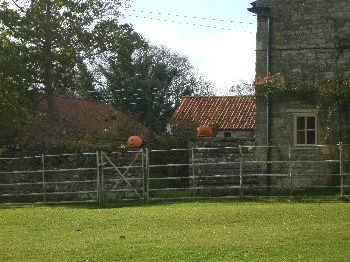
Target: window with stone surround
305	129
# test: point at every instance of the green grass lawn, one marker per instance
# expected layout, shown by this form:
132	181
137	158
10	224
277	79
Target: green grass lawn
197	231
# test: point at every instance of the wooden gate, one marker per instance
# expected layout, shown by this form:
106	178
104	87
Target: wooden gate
121	176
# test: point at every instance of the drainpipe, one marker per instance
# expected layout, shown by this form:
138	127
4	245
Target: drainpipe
268	73
266	12
268	97
268	45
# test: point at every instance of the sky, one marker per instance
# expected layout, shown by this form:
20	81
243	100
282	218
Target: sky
218	36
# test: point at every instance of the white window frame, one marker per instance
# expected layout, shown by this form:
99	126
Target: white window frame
295	131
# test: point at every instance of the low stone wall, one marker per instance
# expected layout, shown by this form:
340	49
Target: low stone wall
71	177
218	162
312	168
48	178
306	168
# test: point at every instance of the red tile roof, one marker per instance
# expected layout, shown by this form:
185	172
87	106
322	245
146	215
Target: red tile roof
94	117
226	112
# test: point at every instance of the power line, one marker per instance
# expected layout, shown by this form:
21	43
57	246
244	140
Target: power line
202	18
215	27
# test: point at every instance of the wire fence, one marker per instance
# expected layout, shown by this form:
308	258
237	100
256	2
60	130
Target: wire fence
188	173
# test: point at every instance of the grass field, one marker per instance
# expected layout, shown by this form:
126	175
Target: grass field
200	231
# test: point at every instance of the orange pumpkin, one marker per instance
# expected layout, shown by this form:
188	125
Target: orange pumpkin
135	142
205	131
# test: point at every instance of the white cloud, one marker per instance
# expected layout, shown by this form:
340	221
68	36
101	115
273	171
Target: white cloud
222	57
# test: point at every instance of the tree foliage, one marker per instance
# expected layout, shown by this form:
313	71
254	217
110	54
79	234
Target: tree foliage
242	89
56	39
79	48
149	82
16	111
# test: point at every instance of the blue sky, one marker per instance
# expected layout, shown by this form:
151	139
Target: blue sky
224	56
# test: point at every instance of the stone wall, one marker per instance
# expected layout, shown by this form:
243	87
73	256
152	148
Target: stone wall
237	134
220	157
310	39
294	170
284	109
37	179
71	177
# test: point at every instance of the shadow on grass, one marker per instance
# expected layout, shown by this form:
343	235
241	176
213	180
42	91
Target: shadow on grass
152	203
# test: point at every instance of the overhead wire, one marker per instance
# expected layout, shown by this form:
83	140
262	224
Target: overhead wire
203	22
203	18
217	27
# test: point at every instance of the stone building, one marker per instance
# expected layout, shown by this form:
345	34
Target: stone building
307	42
232	117
304	41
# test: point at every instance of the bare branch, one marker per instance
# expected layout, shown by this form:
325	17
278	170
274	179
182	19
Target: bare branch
18	6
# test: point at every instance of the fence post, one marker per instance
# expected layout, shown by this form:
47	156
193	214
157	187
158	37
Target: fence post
98	181
193	173
143	171
146	176
340	146
241	166
43	176
290	172
102	185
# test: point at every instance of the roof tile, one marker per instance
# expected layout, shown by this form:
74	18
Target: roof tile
226	112
93	117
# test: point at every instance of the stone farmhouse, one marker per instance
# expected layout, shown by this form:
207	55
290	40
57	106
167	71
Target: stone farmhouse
305	42
302	52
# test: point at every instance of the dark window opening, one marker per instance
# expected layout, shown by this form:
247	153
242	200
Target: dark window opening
227	134
306	130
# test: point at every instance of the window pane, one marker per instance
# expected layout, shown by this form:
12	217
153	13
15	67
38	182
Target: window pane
311	137
300	123
301	137
311	122
227	134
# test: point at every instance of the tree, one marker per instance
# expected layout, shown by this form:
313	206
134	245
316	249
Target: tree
16	111
16	102
78	47
242	89
58	40
149	82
